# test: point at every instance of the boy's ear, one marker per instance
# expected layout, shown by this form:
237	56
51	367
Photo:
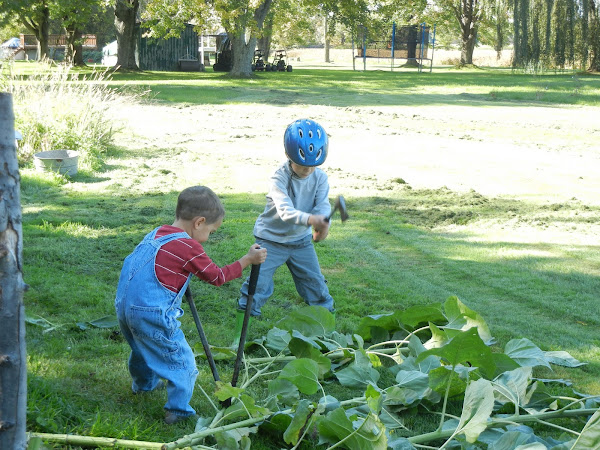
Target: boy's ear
199	221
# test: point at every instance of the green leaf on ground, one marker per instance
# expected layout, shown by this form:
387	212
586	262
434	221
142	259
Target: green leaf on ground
226	390
512	386
562	358
284	391
461	317
477	408
303	373
466	348
301	348
277	339
310	321
589	439
358	374
358	435
526	353
299	421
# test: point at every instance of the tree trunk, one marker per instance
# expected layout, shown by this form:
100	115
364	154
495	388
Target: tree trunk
40	27
126	12
243	51
326	31
74	53
264	42
594	37
521	27
468	20
468	46
13	360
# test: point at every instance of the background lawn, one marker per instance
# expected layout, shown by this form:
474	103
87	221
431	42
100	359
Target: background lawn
481	184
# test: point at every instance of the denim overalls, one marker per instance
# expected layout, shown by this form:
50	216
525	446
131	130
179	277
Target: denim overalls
148	313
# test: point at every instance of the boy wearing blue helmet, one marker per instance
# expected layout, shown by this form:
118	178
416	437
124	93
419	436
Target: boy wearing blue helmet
298	199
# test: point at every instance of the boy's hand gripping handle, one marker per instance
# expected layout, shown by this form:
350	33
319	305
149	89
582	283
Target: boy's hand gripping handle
240	352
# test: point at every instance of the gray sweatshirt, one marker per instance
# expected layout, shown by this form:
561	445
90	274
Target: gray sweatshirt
290	202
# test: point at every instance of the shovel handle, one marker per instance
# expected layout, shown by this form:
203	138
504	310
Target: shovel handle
205	344
240	352
254	272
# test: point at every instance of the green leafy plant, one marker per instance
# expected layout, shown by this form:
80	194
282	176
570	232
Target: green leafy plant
406	364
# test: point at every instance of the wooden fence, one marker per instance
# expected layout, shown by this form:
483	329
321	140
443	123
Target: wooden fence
29	42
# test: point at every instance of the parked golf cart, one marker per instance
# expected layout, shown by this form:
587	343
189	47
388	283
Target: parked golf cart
258	63
280	63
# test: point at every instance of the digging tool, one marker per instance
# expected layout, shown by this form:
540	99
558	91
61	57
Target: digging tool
240	352
209	357
340	205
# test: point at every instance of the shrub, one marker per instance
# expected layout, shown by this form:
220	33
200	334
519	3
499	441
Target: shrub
54	109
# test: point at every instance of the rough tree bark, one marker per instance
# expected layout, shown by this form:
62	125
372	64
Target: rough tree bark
40	27
468	18
13	370
264	41
126	12
327	42
243	50
74	53
594	36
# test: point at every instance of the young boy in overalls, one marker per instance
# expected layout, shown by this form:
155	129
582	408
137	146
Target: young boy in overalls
151	286
298	199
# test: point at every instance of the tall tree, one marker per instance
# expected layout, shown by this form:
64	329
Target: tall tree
13	370
126	14
556	33
34	15
594	35
243	25
76	16
243	20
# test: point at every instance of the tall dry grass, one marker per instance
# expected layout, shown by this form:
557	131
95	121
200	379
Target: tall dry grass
57	108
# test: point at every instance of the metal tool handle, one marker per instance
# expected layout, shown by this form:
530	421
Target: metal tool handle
327	219
205	344
240	352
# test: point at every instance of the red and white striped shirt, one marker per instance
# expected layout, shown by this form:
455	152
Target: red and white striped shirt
180	257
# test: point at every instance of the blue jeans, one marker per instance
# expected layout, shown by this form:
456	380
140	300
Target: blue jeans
301	259
148	313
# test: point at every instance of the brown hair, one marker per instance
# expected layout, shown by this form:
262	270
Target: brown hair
199	201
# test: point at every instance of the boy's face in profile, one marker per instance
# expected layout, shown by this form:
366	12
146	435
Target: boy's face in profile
302	171
203	230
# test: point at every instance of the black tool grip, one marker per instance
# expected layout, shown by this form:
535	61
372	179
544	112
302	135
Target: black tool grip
254	272
240	352
205	344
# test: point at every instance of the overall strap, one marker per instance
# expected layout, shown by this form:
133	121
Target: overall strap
159	242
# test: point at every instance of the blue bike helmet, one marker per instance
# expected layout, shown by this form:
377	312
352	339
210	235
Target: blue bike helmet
306	143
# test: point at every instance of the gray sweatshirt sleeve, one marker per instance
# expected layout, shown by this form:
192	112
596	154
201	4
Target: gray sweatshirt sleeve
278	192
290	202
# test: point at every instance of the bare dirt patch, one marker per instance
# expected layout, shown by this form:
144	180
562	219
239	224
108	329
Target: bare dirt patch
536	153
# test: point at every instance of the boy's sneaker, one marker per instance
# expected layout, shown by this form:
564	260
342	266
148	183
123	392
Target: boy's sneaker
171	418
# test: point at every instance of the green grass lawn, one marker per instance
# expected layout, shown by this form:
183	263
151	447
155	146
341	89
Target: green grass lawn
530	269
